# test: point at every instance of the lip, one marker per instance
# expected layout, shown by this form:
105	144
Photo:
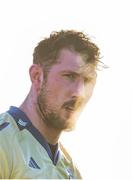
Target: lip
70	109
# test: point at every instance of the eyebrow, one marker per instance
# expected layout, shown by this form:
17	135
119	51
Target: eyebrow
70	71
80	73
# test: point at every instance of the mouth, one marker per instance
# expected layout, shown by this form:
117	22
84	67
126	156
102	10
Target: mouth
71	109
72	106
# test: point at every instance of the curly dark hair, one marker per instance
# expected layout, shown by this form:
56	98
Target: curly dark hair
47	50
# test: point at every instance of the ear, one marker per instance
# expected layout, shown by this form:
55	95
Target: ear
36	75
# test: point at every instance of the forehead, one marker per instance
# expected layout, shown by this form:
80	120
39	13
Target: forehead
69	60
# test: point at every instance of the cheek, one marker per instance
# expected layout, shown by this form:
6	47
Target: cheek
55	94
89	91
54	88
58	86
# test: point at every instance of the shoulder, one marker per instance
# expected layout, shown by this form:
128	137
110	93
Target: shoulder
8	128
4	125
69	159
6	141
4	121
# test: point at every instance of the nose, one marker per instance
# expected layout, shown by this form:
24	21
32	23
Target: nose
78	89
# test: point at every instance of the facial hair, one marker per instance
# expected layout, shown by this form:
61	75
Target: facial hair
51	115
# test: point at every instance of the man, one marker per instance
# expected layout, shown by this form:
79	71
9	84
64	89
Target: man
63	77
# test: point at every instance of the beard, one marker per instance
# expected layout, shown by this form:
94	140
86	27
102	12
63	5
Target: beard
52	116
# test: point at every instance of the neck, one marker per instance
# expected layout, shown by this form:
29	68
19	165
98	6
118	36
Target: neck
50	134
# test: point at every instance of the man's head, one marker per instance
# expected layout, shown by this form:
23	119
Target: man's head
47	50
67	63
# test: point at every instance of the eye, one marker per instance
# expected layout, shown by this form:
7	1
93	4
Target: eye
69	76
86	80
89	80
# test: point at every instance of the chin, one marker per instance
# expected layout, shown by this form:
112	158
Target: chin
70	125
68	129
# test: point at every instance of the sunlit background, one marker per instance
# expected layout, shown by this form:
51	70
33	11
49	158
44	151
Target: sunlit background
102	142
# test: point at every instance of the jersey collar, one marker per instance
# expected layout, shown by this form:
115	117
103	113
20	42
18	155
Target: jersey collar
23	122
